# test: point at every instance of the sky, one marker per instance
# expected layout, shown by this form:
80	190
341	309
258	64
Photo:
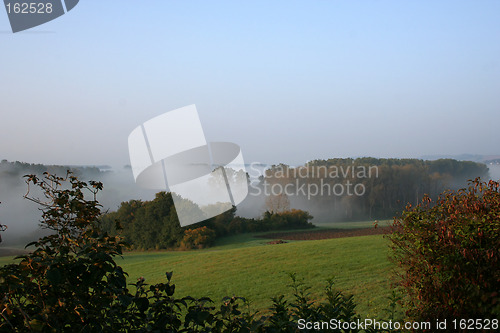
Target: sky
288	81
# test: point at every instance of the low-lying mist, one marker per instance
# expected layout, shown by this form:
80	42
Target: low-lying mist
22	216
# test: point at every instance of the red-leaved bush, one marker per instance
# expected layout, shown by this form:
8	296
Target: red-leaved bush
448	253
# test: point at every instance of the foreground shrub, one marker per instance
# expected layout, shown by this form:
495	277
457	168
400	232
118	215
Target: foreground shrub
449	254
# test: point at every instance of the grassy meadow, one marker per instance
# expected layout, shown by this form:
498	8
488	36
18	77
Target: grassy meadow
246	266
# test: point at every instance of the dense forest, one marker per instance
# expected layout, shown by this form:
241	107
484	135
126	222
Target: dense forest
365	188
154	224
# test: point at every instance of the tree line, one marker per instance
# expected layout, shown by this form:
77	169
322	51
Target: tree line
154	224
379	188
384	187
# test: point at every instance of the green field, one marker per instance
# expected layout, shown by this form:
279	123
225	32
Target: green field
259	272
246	266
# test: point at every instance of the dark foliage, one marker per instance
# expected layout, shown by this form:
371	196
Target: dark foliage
154	224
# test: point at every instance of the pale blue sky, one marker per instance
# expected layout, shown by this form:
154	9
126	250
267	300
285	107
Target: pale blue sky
288	81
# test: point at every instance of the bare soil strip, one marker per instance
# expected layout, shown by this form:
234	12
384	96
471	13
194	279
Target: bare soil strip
8	252
325	234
